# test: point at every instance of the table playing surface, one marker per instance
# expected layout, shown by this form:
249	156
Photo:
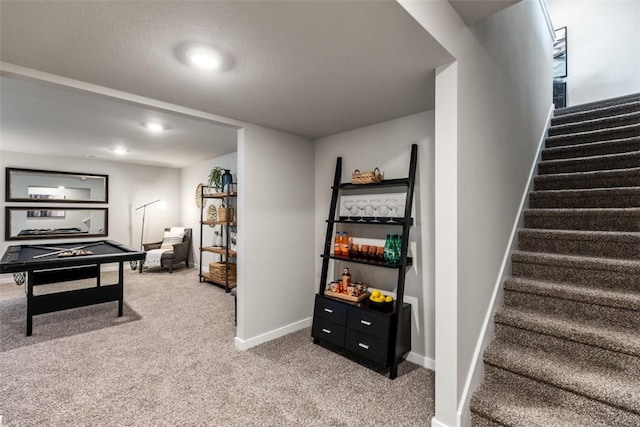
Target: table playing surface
19	258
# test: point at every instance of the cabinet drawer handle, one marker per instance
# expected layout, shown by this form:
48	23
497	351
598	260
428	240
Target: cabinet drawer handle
328	310
365	322
326	331
366	347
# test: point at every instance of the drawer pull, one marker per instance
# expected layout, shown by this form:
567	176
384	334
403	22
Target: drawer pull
328	310
326	331
365	322
366	347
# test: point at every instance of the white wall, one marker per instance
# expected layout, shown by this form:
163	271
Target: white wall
387	146
190	177
130	186
502	94
275	234
603	47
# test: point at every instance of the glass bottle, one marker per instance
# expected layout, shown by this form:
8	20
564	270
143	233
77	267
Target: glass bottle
345	243
337	244
387	248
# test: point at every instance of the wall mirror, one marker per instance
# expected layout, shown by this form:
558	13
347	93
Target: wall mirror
31	185
40	222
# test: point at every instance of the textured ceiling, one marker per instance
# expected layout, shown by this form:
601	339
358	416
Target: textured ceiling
312	68
52	120
307	67
474	10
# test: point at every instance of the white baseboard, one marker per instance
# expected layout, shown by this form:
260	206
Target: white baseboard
421	360
476	371
271	335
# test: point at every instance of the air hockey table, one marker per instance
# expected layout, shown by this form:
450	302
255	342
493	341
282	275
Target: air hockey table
61	262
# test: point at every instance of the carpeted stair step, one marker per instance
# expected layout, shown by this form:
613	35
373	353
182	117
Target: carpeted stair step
607	273
599	123
604	307
480	421
515	400
619	340
586	198
599	105
620	132
629	177
579	116
567	371
590	149
608	244
597	219
591	163
626	364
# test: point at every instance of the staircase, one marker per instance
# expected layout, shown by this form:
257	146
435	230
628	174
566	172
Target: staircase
566	350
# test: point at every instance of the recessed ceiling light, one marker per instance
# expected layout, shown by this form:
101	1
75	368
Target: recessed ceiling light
154	126
205	58
120	151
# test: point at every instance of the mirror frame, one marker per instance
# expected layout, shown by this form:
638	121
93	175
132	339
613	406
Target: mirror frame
7	226
10	198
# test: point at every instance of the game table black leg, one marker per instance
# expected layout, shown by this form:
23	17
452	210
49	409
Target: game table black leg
29	304
121	285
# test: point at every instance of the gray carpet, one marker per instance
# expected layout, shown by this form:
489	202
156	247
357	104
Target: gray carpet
170	360
566	350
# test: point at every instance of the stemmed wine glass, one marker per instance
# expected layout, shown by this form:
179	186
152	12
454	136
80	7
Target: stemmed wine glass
375	204
361	204
391	204
348	204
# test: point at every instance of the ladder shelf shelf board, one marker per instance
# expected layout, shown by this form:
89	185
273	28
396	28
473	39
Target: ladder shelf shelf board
219	250
354	328
230	223
219	195
210	278
370	221
409	261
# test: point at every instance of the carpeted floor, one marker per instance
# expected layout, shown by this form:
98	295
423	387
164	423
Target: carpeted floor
170	360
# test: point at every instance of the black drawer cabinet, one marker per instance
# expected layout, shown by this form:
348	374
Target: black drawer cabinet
361	331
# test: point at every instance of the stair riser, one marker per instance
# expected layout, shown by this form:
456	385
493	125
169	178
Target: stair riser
631	107
599	414
618	362
593	222
578	276
524	361
593	248
620	101
598	136
541	201
590	164
605	316
480	421
601	123
547	182
572	152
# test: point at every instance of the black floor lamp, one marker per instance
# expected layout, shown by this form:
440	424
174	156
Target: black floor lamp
134	264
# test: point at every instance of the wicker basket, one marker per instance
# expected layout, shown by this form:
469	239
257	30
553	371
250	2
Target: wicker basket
368	177
224	212
217	271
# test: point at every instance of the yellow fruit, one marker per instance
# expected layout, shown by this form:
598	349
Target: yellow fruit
375	294
389	298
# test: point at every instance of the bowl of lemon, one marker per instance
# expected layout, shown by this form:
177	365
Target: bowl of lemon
380	301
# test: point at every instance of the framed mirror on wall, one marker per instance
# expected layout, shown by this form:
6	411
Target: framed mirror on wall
45	222
38	186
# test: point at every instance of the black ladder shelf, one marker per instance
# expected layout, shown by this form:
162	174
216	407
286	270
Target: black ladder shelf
355	328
